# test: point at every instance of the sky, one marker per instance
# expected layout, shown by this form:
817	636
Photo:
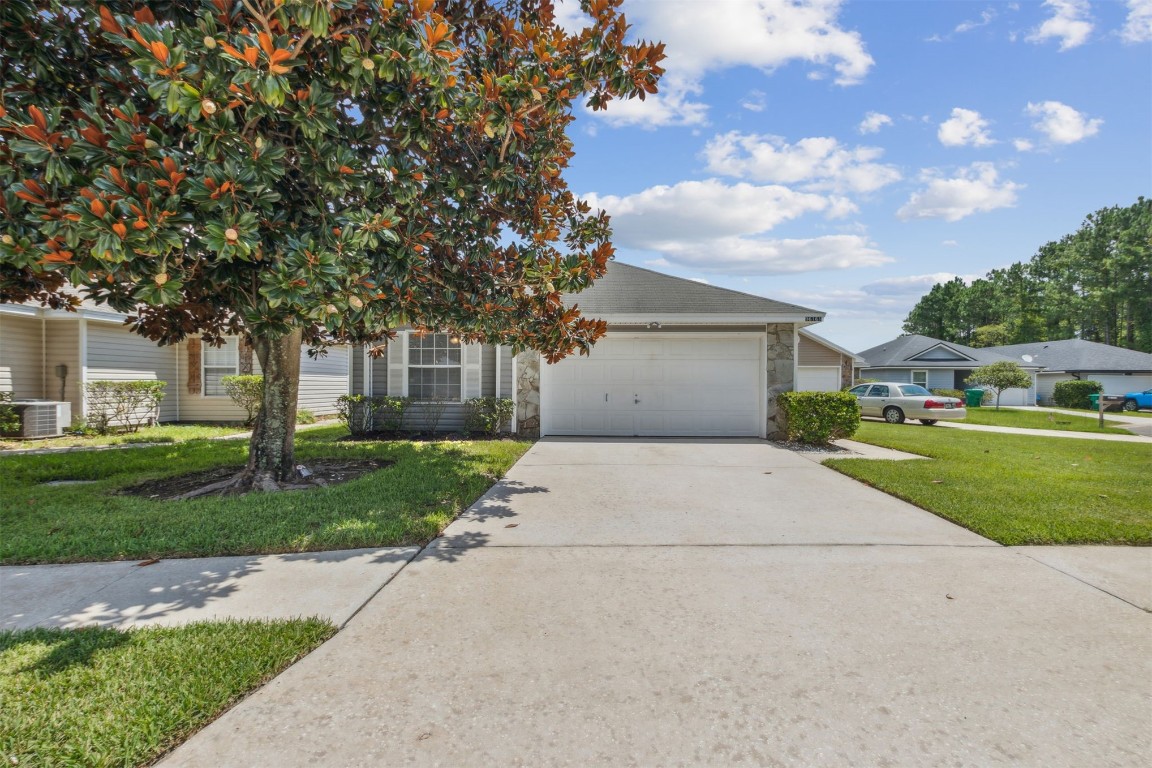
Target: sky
845	156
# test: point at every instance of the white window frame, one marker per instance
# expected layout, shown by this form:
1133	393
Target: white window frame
410	365
912	380
234	341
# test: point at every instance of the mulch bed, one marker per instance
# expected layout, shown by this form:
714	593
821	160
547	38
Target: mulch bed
325	472
424	437
809	448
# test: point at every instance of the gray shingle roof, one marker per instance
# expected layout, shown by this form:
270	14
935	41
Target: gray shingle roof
901	351
1079	355
626	289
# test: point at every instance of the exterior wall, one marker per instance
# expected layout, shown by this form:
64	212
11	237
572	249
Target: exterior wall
322	380
487	371
1046	383
356	385
812	353
62	345
194	406
528	394
505	372
22	356
847	372
117	354
780	371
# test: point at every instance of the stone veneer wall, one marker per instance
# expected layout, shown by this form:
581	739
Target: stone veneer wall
846	379
528	394
781	372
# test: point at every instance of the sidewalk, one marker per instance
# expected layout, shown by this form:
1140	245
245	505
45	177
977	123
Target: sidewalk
1048	433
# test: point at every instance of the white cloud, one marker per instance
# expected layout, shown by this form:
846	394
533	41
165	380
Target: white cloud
873	122
1062	124
755	101
974	189
818	163
1070	22
966	128
950	243
986	17
1138	27
762	256
709	37
1022	145
908	285
712	226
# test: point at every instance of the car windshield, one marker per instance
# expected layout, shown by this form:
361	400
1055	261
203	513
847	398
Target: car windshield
913	390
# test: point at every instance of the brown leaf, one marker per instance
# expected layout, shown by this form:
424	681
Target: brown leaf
149	561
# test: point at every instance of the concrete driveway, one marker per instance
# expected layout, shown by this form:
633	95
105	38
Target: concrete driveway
708	603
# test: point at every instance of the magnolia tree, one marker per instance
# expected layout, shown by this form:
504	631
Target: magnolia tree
307	171
999	377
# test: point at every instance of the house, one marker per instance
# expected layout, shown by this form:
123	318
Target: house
680	358
51	354
823	366
937	364
1119	370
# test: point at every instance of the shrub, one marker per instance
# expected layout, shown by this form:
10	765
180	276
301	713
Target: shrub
819	417
864	381
127	404
487	415
247	392
360	412
392	411
1074	394
305	416
433	411
9	416
948	393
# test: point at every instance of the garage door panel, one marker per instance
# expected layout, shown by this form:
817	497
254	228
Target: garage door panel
658	387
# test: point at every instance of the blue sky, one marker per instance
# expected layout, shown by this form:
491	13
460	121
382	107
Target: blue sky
846	155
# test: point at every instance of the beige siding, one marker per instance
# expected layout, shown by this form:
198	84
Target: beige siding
117	354
62	345
22	356
814	353
506	372
194	406
323	379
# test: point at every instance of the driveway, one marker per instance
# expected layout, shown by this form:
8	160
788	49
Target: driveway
707	603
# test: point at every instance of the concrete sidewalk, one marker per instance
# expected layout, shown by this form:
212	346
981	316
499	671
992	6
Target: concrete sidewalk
709	603
332	585
1049	433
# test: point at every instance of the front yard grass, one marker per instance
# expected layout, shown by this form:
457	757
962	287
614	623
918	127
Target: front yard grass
406	503
161	433
107	697
1016	489
1008	417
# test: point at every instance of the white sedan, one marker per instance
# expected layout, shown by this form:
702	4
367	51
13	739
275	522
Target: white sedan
896	401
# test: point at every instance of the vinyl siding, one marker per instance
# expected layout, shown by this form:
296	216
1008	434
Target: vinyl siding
62	345
323	379
196	407
506	372
22	356
117	354
814	354
487	371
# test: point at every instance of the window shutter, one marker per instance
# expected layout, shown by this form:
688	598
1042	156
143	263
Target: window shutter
397	353
193	366
470	373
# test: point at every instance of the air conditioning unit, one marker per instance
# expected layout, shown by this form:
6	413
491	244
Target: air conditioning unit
43	418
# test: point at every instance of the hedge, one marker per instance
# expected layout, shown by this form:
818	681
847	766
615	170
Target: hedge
1074	394
128	404
818	418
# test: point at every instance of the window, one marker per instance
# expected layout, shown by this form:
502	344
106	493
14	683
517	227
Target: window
218	362
920	378
434	367
878	390
859	389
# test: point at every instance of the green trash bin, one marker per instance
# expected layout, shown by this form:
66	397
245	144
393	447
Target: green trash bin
1095	399
973	397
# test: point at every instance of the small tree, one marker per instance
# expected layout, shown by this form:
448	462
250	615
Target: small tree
999	377
247	392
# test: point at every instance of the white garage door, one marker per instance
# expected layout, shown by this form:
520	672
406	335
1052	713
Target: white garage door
656	386
816	378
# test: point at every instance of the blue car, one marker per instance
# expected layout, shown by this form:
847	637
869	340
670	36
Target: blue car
1134	401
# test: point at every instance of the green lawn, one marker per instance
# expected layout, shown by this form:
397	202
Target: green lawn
1017	489
1009	417
161	433
409	502
105	697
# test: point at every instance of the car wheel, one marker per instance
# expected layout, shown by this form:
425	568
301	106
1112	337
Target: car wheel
1130	405
928	422
893	415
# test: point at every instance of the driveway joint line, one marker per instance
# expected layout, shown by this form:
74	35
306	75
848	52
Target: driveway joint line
380	589
990	545
1088	583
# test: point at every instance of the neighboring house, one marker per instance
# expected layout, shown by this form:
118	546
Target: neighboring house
1119	370
937	364
680	358
50	354
823	366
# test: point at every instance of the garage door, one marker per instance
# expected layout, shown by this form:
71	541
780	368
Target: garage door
813	378
657	386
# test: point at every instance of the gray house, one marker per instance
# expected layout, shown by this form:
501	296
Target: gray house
680	358
937	364
1119	370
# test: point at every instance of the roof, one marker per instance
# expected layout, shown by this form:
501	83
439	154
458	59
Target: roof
821	340
627	290
1079	355
916	351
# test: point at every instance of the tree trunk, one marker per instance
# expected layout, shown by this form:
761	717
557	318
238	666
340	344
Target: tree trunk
271	459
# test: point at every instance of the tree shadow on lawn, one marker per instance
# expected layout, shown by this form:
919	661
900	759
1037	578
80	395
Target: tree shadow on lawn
66	648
